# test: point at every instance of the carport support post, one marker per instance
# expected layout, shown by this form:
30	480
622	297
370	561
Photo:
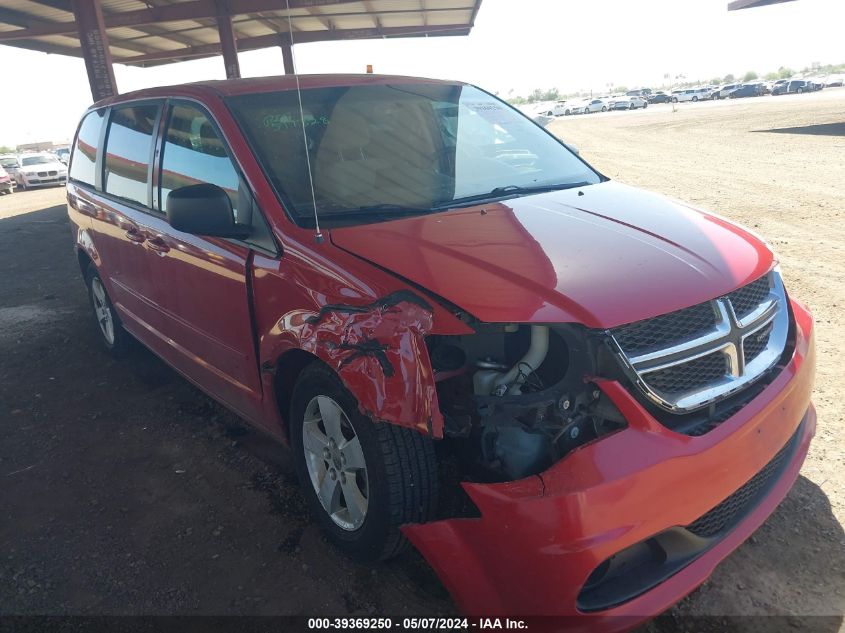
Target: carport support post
228	45
287	55
95	48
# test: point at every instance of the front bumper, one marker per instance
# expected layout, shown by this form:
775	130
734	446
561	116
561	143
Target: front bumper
44	181
8	185
539	539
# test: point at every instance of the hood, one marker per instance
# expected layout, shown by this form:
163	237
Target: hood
603	255
32	169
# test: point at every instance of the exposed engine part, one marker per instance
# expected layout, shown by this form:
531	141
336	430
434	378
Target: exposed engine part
448	357
524	399
492	381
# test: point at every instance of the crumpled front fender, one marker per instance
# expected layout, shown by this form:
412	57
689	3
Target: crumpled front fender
379	352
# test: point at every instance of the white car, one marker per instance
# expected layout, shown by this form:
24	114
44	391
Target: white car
638	102
688	94
557	108
705	93
594	105
40	170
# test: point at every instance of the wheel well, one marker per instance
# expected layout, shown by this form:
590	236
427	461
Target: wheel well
288	368
84	261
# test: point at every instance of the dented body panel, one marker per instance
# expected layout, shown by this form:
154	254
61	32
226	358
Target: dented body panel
372	333
549	532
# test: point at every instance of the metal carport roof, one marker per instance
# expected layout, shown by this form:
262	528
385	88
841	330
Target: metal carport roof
153	32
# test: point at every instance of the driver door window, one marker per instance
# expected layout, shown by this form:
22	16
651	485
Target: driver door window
194	153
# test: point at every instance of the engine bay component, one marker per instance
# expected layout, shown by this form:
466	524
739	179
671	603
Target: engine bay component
499	383
523	398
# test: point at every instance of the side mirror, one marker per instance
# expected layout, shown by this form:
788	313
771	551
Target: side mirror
203	209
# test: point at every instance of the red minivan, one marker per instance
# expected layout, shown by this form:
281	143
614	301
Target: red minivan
571	396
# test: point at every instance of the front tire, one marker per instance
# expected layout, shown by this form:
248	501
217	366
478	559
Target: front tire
113	337
362	479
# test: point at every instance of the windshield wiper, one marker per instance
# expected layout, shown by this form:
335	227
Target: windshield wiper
509	191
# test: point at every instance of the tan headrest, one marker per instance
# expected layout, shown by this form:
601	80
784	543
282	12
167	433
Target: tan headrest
346	133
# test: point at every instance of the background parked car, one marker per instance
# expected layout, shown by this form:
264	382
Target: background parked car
793	86
705	93
40	170
659	97
638	102
726	91
679	96
7	185
594	105
746	90
10	163
619	102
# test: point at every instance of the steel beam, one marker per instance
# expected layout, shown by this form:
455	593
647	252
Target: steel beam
228	46
95	48
287	55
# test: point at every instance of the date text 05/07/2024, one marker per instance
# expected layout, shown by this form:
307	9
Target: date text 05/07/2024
433	624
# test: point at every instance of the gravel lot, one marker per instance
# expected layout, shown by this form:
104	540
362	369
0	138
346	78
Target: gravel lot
123	490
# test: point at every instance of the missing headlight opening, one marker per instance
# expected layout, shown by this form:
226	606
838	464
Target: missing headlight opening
518	398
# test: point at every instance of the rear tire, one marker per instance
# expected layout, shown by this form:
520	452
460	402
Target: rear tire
399	480
604	108
113	337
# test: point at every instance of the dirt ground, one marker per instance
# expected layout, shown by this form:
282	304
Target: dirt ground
123	490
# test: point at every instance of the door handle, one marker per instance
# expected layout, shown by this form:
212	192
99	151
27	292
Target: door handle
81	205
134	235
157	244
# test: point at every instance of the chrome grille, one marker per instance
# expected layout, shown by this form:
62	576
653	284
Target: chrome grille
661	331
696	374
749	297
687	359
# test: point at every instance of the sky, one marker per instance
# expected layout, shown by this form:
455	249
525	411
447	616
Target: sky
516	46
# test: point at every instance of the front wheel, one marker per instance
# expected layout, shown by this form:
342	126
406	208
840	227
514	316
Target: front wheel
362	479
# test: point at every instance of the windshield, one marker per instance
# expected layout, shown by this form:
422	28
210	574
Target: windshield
9	162
401	148
35	160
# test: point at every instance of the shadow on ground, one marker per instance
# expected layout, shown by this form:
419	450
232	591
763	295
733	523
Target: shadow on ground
822	129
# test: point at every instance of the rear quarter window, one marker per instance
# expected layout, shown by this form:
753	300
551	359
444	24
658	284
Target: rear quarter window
84	158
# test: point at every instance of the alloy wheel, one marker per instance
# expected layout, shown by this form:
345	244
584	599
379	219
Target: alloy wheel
335	462
102	310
